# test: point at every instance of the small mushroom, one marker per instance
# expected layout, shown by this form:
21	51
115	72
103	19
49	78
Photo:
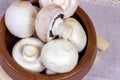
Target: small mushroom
59	56
69	6
45	21
78	36
26	53
20	19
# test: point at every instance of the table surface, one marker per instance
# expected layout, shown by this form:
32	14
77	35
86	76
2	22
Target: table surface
105	18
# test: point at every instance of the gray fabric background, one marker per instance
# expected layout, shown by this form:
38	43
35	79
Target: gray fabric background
106	20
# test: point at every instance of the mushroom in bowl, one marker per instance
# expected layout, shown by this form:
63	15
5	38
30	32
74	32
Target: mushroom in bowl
26	52
78	36
20	18
44	25
69	6
59	56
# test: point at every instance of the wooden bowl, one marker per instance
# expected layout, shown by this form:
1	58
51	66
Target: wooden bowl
86	57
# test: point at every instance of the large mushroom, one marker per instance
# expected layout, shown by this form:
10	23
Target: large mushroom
48	18
59	56
26	53
69	6
20	19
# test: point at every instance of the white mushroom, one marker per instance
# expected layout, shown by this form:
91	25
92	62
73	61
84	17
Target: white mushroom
26	53
45	20
70	29
69	6
59	56
20	19
78	36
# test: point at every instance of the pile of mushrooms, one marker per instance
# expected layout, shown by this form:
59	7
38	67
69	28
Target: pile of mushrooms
59	37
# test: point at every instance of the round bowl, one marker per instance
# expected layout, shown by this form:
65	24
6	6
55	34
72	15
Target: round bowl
86	57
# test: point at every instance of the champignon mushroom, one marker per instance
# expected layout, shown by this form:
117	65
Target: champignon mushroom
45	21
78	36
70	29
20	19
26	53
69	6
59	56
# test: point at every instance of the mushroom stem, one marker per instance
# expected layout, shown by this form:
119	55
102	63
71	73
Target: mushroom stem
61	29
67	32
30	52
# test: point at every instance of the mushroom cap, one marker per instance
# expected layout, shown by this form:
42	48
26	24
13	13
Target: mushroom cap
69	6
33	66
45	20
59	56
78	37
20	19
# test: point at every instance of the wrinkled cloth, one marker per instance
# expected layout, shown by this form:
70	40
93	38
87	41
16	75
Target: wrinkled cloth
105	18
106	2
106	22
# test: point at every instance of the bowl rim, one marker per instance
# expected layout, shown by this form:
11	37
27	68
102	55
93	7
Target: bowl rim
17	72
